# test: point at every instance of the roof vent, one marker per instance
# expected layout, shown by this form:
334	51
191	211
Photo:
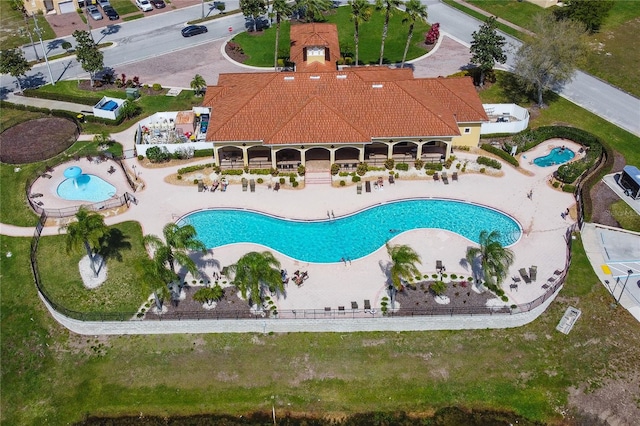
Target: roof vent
314	77
341	76
377	86
289	78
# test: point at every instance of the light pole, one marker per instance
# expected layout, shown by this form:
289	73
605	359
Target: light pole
629	272
44	52
26	22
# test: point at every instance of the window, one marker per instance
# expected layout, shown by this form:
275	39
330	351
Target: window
467	130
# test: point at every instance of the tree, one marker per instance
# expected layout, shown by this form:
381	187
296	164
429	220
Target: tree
591	13
253	9
88	230
549	59
13	62
494	259
487	47
360	12
254	272
158	276
313	10
178	240
403	263
129	109
198	84
221	6
88	54
208	294
281	9
389	6
415	11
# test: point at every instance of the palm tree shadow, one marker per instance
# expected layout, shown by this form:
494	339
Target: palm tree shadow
202	263
112	245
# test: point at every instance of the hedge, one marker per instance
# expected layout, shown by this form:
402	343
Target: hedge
233	172
260	171
190	169
489	162
501	153
203	152
402	166
433	166
65	97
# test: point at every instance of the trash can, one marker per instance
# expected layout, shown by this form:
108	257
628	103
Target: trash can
132	93
80	118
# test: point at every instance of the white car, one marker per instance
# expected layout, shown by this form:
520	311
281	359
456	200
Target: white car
144	5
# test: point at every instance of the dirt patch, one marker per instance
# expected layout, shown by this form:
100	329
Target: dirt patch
37	140
602	197
235	53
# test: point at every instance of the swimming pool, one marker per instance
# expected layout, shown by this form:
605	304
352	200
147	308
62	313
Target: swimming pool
557	156
348	237
86	188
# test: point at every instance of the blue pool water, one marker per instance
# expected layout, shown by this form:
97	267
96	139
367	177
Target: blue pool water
349	237
555	157
86	188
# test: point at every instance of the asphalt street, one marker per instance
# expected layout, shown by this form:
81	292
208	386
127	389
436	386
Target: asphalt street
159	34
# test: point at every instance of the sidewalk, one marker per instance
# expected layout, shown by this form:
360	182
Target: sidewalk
48	103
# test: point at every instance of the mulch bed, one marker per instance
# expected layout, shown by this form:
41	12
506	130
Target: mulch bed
37	140
413	299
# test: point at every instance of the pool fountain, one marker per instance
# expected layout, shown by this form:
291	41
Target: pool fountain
73	172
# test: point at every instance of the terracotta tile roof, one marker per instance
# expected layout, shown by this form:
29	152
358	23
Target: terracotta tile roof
314	34
354	106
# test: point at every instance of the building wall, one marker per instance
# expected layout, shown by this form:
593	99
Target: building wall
469	138
34	6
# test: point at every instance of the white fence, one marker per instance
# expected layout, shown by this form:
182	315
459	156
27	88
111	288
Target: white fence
505	118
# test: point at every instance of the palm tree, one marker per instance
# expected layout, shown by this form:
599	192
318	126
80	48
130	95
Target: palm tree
178	241
313	9
493	257
158	276
256	271
360	12
198	83
89	230
403	263
281	9
416	11
389	6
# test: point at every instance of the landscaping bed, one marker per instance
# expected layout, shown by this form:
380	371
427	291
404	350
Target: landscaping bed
37	140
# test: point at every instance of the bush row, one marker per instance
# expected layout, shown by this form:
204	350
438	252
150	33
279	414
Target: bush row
66	97
489	162
501	153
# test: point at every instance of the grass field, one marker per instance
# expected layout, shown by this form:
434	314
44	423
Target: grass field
51	376
260	47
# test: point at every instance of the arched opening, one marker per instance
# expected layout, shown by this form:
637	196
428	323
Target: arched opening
317	159
288	158
376	153
347	157
434	151
230	157
405	151
259	157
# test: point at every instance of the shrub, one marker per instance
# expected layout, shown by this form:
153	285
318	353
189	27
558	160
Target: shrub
190	169
483	170
569	188
157	87
430	172
342	183
568	173
362	169
282	181
433	34
301	170
489	162
556	184
335	169
260	180
195	181
292	179
232	172
433	166
343	174
140	157
262	172
179	177
434	276
402	166
155	154
274	172
295	184
501	153
389	163
355	179
438	287
418	164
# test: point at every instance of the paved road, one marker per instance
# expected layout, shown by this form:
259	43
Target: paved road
159	35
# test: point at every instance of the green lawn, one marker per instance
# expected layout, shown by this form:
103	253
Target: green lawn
260	47
626	216
514	11
12	20
51	376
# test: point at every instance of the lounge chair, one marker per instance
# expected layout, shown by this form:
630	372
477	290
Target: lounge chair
200	186
445	178
439	265
245	183
557	272
327	310
341	310
367	186
436	176
252	185
513	286
367	305
36	195
111	170
454	176
516	280
276	187
525	277
359	188
354	305
392	180
533	272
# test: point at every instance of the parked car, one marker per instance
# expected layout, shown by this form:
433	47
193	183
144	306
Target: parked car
110	12
103	3
144	5
192	30
94	12
158	4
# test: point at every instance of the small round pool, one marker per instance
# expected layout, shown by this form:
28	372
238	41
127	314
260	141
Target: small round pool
348	237
557	156
86	188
